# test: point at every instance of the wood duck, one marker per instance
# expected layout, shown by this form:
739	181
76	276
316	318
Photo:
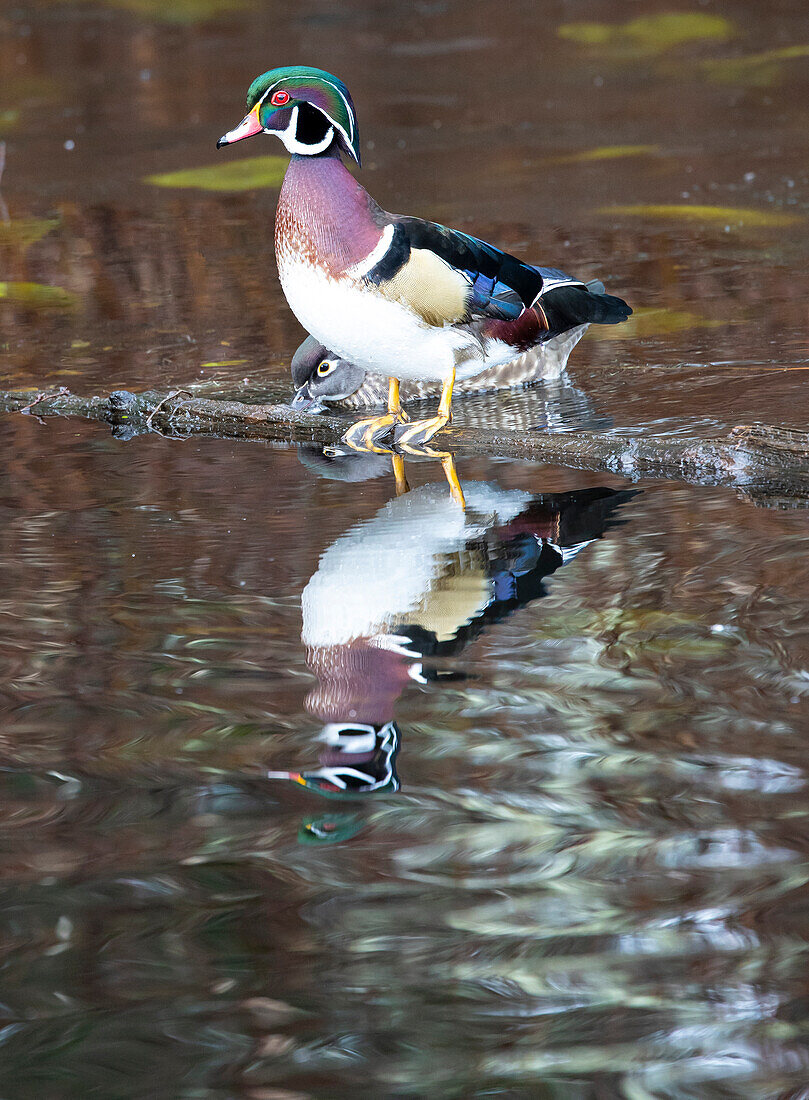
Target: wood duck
358	759
322	378
550	405
396	295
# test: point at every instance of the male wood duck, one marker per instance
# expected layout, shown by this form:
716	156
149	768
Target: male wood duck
406	298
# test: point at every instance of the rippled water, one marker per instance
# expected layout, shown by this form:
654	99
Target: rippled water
310	789
593	873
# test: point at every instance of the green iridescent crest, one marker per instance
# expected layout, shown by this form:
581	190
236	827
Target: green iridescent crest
314	86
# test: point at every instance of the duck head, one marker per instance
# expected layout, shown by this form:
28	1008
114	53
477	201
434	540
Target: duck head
306	108
319	376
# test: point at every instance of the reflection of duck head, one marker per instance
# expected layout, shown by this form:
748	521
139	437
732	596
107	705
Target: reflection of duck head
329	828
358	759
412	585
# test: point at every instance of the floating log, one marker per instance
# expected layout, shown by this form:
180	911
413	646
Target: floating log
769	464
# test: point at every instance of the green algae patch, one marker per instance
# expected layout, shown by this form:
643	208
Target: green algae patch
758	70
649	321
180	12
649	35
234	175
736	216
9	119
24	90
36	296
606	152
22	232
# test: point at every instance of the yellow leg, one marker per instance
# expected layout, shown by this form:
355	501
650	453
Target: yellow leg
395	406
421	431
399	474
362	435
451	474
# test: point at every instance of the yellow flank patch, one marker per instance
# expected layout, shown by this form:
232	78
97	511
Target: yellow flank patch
430	287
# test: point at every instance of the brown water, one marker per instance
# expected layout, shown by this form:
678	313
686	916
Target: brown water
570	857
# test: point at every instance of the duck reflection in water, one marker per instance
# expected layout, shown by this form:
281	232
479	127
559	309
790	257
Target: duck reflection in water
395	596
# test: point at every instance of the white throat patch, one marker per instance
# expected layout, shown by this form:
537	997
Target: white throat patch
290	138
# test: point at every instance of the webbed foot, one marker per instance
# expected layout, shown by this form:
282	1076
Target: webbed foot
366	434
421	431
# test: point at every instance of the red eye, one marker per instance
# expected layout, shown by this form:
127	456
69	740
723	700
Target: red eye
280	98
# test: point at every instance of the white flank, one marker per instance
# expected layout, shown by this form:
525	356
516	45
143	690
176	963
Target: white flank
355	322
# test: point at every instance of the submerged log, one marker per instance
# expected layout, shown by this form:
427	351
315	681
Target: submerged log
770	464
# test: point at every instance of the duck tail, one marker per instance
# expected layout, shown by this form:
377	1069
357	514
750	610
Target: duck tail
575	304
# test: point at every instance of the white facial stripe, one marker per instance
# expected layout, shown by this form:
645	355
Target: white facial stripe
275	85
349	112
289	133
374	256
333	731
337	125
